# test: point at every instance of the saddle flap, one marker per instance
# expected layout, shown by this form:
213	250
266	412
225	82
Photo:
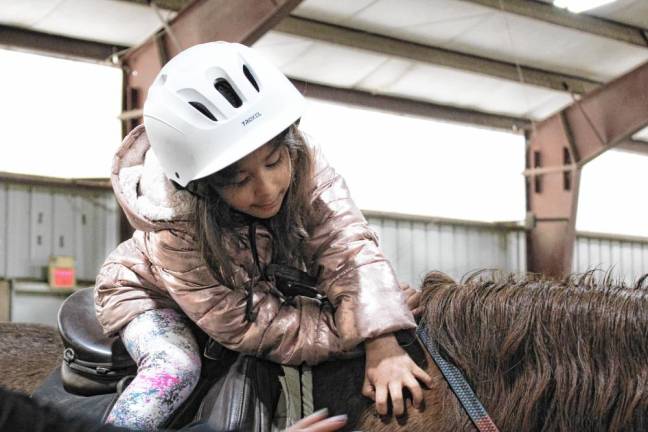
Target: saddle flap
244	398
83	336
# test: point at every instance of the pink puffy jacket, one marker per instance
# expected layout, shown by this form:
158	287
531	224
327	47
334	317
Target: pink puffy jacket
160	267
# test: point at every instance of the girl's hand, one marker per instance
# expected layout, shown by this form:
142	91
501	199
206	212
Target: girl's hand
388	369
317	422
413	298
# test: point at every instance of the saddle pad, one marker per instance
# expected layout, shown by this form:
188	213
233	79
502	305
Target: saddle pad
296	399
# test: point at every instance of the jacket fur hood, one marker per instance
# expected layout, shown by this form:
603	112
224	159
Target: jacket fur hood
149	200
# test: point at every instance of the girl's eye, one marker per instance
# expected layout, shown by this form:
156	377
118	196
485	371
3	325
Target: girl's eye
238	182
276	161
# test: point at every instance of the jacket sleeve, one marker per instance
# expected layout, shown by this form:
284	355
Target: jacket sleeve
354	273
126	286
303	333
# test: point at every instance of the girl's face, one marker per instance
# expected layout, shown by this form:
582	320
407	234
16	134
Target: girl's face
259	182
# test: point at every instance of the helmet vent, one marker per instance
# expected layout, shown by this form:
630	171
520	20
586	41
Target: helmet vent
225	88
203	109
250	78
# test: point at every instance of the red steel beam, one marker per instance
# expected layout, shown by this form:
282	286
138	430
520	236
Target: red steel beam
56	45
558	149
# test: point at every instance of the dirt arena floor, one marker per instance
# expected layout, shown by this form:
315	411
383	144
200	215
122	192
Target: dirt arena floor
28	353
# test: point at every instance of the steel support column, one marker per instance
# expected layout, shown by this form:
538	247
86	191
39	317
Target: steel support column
558	149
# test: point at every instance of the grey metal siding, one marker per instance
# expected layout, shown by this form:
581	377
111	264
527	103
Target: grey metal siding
34	301
627	257
3	228
110	225
64	241
41	219
18	233
38	221
416	245
89	231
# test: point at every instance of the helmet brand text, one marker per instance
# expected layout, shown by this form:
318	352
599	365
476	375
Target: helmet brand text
250	119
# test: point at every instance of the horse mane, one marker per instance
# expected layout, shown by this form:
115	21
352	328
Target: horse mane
545	355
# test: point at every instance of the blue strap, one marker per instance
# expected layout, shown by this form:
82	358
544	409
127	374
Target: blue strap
458	384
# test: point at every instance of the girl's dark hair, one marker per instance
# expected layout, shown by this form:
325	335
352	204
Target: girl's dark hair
218	225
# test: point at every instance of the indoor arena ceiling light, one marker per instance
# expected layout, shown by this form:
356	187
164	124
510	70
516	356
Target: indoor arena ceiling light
577	6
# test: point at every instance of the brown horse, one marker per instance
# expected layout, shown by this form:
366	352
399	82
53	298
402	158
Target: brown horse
540	355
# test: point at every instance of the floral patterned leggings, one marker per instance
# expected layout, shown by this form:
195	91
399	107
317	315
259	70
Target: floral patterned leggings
168	369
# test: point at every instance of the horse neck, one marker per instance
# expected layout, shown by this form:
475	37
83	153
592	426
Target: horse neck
548	356
441	410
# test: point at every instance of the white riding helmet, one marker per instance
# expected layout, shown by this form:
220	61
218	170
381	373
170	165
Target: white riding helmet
213	104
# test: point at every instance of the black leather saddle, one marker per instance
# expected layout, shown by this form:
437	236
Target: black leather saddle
93	363
235	392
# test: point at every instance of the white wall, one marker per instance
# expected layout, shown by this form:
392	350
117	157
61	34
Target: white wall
59	117
419	166
612	196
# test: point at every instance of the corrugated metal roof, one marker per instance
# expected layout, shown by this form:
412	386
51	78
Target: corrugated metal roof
458	26
108	21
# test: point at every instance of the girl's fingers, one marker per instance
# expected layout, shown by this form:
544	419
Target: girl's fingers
415	388
417	311
396	394
317	422
326	425
311	419
381	399
368	390
422	375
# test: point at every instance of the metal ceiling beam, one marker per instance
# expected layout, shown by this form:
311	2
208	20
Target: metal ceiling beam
559	148
561	17
61	46
396	105
174	5
409	106
34	180
635	146
432	55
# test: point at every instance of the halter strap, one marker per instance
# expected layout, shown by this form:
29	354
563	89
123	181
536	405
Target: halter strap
458	384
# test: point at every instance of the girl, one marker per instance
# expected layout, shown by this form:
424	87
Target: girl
229	187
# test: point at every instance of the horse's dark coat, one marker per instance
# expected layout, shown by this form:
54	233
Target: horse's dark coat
337	386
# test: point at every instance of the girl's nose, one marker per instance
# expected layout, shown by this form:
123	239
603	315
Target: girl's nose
264	186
